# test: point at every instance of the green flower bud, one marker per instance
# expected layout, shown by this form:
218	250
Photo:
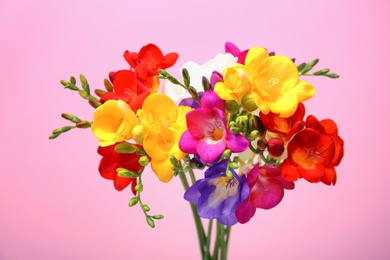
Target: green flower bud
122	172
229	174
83	94
61	130
83	80
145	208
83	124
227	153
125	147
206	84
248	102
133	202
150	221
253	135
143	160
70	117
232	106
186	77
139	187
158	216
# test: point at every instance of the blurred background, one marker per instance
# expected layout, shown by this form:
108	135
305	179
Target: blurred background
55	205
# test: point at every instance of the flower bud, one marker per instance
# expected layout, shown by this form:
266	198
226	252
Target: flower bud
248	102
145	208
108	85
262	144
227	153
94	103
83	124
143	160
275	147
139	187
100	92
70	117
133	201
195	164
232	106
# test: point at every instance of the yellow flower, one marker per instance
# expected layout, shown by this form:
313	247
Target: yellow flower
235	83
163	123
113	122
276	86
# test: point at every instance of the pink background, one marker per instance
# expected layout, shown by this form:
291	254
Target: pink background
54	204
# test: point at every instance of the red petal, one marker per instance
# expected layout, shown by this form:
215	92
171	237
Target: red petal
289	172
314	174
330	176
169	60
121	182
131	58
124	83
137	102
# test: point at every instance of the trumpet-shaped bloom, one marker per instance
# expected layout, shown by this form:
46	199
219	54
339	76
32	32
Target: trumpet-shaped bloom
163	124
218	196
235	51
207	134
314	152
236	83
276	84
127	88
284	127
266	191
112	160
113	122
147	62
197	72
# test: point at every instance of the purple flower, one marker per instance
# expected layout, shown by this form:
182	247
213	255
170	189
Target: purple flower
218	196
207	134
266	191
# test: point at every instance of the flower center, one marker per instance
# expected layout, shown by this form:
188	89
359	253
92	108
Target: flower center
217	134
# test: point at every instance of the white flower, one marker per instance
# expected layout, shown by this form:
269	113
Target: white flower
196	72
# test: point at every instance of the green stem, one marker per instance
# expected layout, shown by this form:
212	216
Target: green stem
209	231
198	223
192	175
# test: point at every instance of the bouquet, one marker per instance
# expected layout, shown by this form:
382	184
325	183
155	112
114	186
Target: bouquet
232	130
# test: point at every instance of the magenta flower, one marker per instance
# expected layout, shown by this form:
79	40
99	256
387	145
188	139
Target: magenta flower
266	191
218	196
236	52
207	134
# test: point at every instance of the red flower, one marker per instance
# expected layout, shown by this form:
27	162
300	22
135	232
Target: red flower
147	62
284	127
112	160
127	88
314	152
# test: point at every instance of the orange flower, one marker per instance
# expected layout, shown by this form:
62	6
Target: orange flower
314	152
147	62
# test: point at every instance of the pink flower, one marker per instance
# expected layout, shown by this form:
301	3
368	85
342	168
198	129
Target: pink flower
267	190
207	134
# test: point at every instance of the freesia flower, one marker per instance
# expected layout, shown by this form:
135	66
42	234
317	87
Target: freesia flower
284	127
235	51
196	72
162	125
112	160
113	122
218	196
266	191
127	88
314	152
147	62
207	134
236	83
276	84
